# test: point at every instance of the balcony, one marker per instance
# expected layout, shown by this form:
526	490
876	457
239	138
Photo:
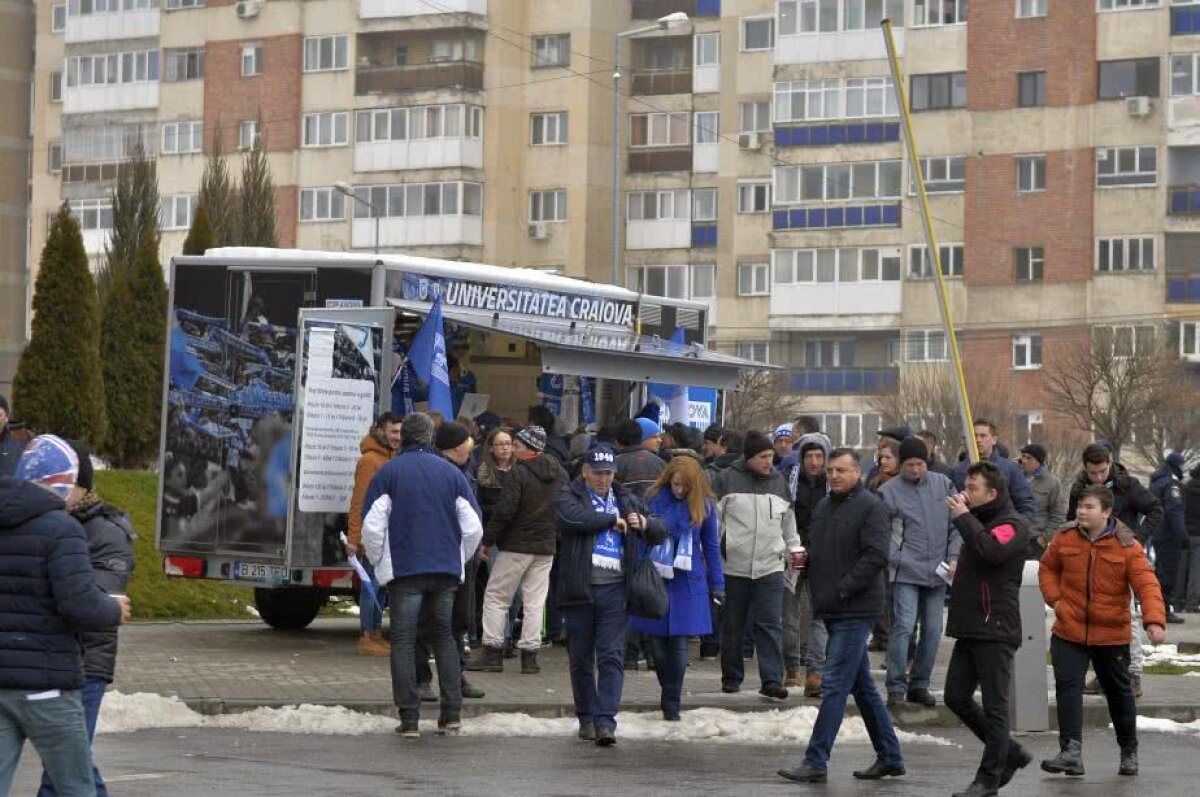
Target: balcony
847	45
835	133
461	75
656	9
110	97
658	234
840	381
95	241
1185	21
429	153
678	159
387	9
139	23
649	82
823	299
1183	287
418	231
96	172
837	217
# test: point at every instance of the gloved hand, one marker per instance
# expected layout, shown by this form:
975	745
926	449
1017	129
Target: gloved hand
718	597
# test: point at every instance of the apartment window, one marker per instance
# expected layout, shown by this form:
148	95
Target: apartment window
657	205
251	60
659	129
58	17
56	86
1185	74
851	98
548	205
920	266
176	211
1031	89
1189	340
707	49
1124	166
754	279
553	50
758	33
704	204
756	350
707	125
1124	340
180	138
54	157
83	7
326	129
944	174
184	64
400	55
1031	174
1133	78
1030	263
667	281
452	50
112	68
1026	352
1031	8
1124	5
92	214
322	204
754	197
326	53
827	16
798	266
925	346
704	282
100	143
1125	254
248	137
837	181
829	353
419	122
547	129
420	199
754	117
177	4
939	12
939	92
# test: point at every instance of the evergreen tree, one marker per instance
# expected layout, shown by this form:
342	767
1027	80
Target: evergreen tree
135	215
58	387
200	237
132	340
218	195
257	201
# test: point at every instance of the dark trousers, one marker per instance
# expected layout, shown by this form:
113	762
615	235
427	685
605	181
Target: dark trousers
758	601
92	696
1166	567
1112	671
988	666
406	596
670	665
461	621
710	644
1187	584
596	648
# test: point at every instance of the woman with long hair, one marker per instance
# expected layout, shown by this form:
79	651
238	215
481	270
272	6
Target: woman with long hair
889	465
690	560
495	463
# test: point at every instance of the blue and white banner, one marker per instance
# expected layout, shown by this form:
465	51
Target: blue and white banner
428	358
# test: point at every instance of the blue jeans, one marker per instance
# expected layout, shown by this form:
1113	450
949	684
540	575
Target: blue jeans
371	602
58	730
91	695
406	595
755	604
670	665
909	601
848	671
596	647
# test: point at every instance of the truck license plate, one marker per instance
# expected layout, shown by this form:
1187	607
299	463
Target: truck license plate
257	571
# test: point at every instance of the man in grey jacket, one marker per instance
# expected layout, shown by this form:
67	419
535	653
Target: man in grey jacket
1047	494
757	527
922	539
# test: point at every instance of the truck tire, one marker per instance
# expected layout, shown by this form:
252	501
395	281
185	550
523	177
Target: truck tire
288	609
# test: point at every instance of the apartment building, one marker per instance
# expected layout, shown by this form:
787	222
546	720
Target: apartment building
762	168
16	69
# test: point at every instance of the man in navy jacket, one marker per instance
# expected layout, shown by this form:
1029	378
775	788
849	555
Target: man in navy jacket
1014	477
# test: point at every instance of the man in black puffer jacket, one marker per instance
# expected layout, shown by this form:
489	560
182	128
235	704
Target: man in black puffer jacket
985	618
48	594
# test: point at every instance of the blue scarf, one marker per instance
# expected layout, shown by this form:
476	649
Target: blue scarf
610	545
675	552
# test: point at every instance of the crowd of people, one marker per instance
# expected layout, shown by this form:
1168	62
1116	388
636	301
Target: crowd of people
628	544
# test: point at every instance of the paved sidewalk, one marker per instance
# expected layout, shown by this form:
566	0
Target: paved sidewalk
233	666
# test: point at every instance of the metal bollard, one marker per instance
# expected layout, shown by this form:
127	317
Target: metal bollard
1030	705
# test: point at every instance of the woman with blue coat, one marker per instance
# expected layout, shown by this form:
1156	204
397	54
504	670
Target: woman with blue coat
690	560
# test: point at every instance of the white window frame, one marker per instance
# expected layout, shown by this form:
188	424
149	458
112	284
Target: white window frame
249	135
754	196
177	211
836	265
1031	9
709	272
1028	427
706	127
91	213
839	182
1127	5
942	165
830	353
831	99
177	132
553	128
761	122
942	13
418	123
321	129
1189	63
326	53
188	59
743	26
704	204
706	49
676	122
676	202
1189	340
754	278
1029	169
809	17
1027	351
1129	331
177	5
321	205
929	346
675	280
1035	261
56	87
1135	178
757	350
548	205
138	66
252	59
58	17
450	50
551	50
1122	251
396	199
953	257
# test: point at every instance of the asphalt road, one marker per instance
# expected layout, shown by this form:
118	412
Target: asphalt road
209	762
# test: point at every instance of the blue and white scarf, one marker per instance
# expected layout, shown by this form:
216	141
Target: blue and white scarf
675	552
610	544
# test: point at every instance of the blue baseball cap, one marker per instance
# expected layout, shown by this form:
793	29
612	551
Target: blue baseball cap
601	457
649	428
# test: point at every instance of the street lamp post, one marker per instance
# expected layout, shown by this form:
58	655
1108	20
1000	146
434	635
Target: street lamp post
669	22
342	187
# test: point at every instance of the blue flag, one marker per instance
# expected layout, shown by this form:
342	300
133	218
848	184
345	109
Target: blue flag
428	358
186	368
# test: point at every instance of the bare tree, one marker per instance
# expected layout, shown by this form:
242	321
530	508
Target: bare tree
761	400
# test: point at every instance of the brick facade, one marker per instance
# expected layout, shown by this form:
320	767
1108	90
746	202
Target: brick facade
272	97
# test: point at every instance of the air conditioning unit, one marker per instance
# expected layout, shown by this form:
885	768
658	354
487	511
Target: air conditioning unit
539	231
1138	107
247	9
750	141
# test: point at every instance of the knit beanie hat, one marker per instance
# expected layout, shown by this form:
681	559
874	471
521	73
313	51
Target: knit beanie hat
534	437
450	435
649	428
913	448
1036	451
51	463
755	444
87	474
782	430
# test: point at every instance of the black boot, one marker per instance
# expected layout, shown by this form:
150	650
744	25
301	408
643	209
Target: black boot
529	665
1129	762
1018	758
1068	762
469	690
486	659
977	789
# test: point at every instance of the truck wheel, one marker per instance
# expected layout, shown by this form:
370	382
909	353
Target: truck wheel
288	609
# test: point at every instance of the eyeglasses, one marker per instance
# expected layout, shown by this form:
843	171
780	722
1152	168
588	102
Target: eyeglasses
502	445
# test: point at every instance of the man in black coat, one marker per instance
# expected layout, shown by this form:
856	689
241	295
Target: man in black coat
48	594
11	445
985	619
848	555
1166	484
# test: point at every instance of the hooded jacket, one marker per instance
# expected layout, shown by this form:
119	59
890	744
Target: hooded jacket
1131	501
756	521
637	469
110	546
848	555
807	492
1165	486
985	599
1087	583
1014	479
374	456
922	536
523	519
48	593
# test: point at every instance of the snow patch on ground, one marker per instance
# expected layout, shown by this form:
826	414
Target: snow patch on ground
120	713
1169	654
250	610
1166	726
